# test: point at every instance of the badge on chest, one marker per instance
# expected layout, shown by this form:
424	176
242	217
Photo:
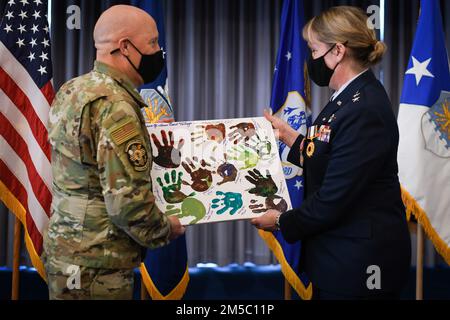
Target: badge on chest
317	133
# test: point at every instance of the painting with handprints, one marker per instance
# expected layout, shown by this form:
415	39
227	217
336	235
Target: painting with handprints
217	170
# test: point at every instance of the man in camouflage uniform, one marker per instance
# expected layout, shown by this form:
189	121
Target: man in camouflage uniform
103	209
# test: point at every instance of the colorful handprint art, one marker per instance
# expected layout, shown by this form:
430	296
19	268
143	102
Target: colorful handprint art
240	180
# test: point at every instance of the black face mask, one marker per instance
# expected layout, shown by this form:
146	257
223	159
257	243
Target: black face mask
151	64
318	70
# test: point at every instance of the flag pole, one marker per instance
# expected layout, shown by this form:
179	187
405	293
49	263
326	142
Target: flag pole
419	264
16	260
419	258
144	293
287	290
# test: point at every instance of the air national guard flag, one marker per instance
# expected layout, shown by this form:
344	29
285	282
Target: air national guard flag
424	123
288	102
164	270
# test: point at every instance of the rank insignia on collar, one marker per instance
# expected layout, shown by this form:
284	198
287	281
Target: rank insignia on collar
356	97
332	118
137	155
339	103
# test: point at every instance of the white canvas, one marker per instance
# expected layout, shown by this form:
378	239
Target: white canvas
217	170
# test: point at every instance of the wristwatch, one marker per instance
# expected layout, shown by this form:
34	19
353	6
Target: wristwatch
277	222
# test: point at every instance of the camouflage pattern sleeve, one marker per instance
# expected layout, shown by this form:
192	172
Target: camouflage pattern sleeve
124	163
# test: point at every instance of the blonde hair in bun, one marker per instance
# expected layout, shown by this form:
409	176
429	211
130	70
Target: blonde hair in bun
377	54
346	24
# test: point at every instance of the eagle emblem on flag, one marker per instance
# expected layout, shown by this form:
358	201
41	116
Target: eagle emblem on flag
158	105
436	127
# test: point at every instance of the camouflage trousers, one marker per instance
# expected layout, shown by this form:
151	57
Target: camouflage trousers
70	282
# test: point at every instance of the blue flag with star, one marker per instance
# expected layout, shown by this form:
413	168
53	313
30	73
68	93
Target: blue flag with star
165	270
424	125
288	103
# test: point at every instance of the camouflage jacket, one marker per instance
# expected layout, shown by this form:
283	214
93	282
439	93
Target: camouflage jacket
103	209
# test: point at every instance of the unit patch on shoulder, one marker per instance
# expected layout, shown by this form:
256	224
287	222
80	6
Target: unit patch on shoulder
137	155
124	132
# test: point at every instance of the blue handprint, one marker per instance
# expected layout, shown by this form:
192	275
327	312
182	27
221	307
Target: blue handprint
228	200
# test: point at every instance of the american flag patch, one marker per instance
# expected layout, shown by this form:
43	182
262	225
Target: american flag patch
124	132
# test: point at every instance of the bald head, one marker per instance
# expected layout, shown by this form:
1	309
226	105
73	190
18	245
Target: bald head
122	35
121	21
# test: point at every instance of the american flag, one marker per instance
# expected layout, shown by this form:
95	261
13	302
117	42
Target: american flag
26	93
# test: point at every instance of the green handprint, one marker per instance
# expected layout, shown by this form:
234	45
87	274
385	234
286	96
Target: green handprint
171	210
262	147
190	207
171	191
246	155
264	186
229	200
